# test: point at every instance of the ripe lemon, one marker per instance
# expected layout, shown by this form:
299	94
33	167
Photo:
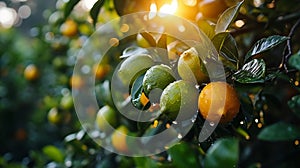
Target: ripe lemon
31	72
118	139
69	28
101	71
158	76
190	67
177	94
221	100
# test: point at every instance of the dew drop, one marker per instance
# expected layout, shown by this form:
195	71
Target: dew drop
212	124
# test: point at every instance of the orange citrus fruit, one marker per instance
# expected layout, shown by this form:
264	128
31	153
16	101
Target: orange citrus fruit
31	72
69	28
218	100
101	71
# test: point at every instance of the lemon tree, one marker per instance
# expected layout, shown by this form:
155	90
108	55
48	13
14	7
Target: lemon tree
258	105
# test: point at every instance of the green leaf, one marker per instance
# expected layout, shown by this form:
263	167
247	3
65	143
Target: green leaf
294	105
183	155
227	17
136	93
252	72
53	153
69	7
279	132
206	28
162	43
223	153
104	94
246	107
226	45
294	61
95	10
265	44
144	162
227	48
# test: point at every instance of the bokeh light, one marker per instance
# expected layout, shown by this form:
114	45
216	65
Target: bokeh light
24	11
8	17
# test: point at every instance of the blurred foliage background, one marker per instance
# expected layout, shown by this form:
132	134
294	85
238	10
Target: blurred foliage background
39	41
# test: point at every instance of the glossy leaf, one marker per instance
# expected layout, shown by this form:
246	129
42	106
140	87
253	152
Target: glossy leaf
94	12
163	52
53	153
265	44
162	41
252	72
69	7
183	155
206	28
294	61
279	132
294	105
223	153
226	45
227	17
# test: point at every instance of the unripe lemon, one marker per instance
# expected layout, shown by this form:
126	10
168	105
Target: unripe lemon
158	76
54	117
190	67
133	66
141	41
218	100
66	102
106	115
176	95
57	117
118	139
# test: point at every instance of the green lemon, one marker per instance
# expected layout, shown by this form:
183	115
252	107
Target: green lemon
66	102
54	117
177	95
141	41
158	76
106	115
191	68
133	66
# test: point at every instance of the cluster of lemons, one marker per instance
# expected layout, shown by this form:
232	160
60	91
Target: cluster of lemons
217	101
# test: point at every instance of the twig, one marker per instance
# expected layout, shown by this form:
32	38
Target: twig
287	52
